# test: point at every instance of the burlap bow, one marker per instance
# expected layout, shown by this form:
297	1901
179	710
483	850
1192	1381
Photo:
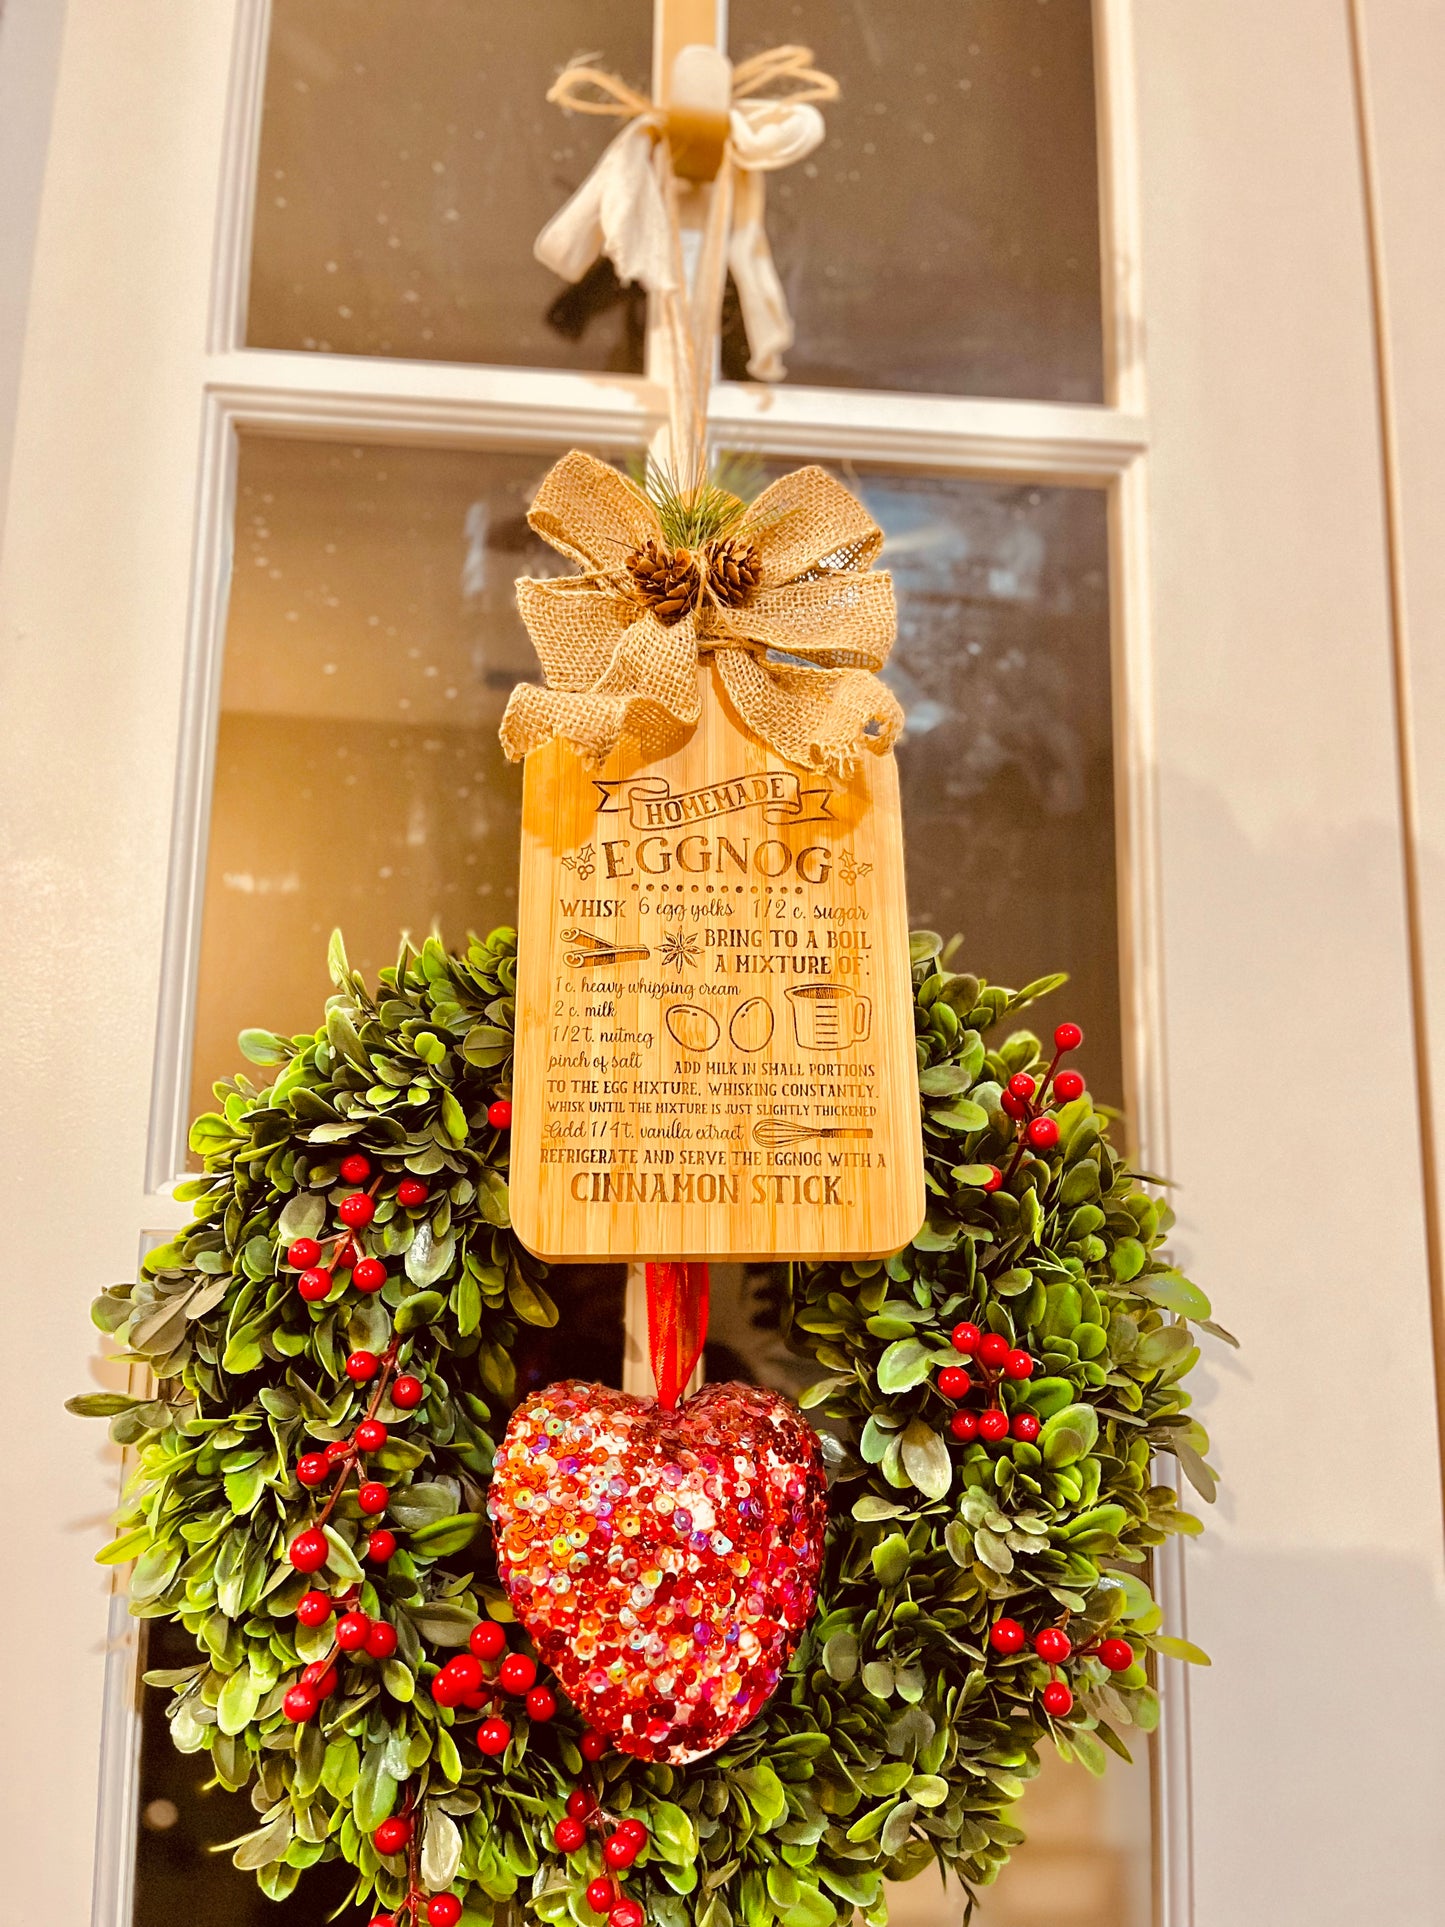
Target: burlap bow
620	209
617	667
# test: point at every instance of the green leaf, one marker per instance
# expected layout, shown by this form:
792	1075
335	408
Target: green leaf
891	1560
1174	1292
840	1656
1194	1468
944	1080
454	1119
1068	1435
302	1216
240	1696
906	1363
418	1310
960	1116
763	1791
265	1846
531	1304
101	1404
1183	1649
870	1509
441	1848
926	1459
428	1259
443	1537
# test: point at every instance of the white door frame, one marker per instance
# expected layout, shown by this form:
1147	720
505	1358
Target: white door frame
135	358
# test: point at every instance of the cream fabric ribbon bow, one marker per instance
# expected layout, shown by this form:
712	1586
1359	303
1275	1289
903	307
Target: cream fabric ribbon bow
620	211
614	668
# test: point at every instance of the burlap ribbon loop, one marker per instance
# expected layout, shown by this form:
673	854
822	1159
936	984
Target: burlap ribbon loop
614	670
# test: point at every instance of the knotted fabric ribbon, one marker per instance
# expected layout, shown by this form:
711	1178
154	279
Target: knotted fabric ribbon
677	1308
796	656
620	210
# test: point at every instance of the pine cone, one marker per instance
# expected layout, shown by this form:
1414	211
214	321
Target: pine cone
733	572
667	583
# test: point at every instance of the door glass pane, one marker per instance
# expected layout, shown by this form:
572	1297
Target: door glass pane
408	160
946	235
371	643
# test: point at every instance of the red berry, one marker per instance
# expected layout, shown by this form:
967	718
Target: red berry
487	1639
619	1852
381	1640
351	1632
1068	1085
369	1274
1043	1133
464	1670
954	1381
308	1550
382	1920
994	1178
313	1285
357	1211
313	1609
338	1450
1018	1364
541	1703
407	1392
993	1349
443	1910
1068	1037
1021	1084
964	1425
1117	1655
1006	1636
493	1735
411	1192
634	1831
1058	1700
499	1115
1013	1106
993	1425
444	1689
355	1168
370	1435
592	1745
582	1804
627	1913
601	1895
965	1338
360	1366
380	1546
1025	1427
320	1676
299	1704
392	1835
1053	1644
517	1673
569	1835
303	1253
372	1497
312	1468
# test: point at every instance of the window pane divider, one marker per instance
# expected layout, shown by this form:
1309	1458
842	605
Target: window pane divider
461	404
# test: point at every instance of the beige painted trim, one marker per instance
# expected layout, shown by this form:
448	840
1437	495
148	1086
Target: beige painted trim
1401	693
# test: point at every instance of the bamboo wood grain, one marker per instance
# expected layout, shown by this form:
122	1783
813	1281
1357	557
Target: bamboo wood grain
713	987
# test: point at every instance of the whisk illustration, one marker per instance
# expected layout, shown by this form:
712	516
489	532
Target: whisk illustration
777	1133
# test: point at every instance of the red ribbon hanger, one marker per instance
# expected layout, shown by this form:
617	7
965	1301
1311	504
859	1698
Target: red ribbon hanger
677	1298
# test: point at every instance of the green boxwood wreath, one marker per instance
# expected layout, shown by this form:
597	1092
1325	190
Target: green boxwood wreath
899	1737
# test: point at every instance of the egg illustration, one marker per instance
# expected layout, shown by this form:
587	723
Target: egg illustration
752	1024
693	1028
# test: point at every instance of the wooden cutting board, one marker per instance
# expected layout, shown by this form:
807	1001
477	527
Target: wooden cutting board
714	1051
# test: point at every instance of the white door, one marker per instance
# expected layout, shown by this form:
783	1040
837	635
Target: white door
286	376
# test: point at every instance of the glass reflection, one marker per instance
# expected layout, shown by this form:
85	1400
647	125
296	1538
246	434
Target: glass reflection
946	236
408	160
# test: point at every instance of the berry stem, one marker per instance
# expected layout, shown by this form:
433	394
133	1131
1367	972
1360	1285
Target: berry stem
348	1464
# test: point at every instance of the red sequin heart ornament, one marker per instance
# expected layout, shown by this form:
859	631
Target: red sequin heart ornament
663	1562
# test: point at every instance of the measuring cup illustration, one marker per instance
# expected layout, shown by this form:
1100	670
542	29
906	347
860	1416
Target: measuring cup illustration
830	1017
